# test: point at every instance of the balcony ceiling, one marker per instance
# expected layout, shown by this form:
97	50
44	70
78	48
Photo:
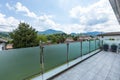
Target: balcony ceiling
116	8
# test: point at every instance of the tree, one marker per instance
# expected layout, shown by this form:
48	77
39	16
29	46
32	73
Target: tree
42	38
24	36
75	38
57	38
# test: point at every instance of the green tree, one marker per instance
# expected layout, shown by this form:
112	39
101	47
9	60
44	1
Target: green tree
57	38
24	36
75	38
42	38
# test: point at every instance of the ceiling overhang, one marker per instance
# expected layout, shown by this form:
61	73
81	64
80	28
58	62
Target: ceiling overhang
116	8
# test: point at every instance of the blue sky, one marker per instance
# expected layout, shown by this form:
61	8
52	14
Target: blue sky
66	15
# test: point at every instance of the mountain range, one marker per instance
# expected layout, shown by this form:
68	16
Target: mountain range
4	34
95	33
51	31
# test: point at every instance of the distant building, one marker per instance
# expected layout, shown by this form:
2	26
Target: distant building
84	38
3	44
9	46
110	38
69	39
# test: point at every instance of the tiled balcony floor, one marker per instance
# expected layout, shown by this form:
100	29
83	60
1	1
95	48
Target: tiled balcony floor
102	66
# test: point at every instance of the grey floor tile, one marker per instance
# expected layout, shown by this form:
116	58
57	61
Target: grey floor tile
102	66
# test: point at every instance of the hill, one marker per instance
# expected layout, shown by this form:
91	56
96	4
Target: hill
50	31
95	33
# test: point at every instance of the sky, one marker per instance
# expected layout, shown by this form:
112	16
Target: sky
70	16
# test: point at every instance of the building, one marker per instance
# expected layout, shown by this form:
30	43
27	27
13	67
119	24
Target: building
9	46
110	38
84	38
69	39
3	44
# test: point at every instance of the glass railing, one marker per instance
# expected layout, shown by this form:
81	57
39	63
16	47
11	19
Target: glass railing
18	64
54	55
74	50
26	62
97	44
85	47
92	45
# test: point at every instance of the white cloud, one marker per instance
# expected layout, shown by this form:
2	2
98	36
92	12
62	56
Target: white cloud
92	13
7	23
97	17
9	7
69	28
20	8
45	22
40	22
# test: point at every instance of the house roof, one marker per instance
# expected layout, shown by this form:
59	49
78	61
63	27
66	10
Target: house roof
3	40
110	34
69	39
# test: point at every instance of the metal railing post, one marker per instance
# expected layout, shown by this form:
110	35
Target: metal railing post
42	60
67	54
95	44
89	46
99	43
81	47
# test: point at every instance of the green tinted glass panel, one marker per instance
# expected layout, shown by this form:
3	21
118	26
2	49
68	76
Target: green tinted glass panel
18	64
100	43
92	45
74	50
85	47
97	44
54	56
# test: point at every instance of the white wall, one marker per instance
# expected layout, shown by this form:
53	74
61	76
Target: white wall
106	39
110	37
2	45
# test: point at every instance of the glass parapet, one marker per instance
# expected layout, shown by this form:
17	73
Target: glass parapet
18	64
74	51
54	56
85	47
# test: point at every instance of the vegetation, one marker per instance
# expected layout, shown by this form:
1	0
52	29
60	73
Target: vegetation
42	38
57	38
4	34
24	36
75	38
